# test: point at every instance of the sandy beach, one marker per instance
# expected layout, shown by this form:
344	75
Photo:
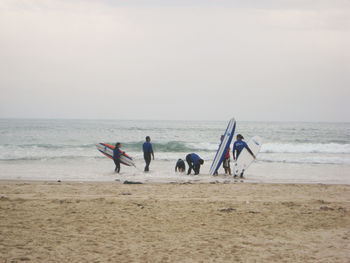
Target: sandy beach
115	222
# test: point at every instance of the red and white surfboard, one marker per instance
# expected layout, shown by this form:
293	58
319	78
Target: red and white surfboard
107	150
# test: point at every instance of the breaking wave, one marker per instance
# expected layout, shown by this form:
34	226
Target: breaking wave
278	151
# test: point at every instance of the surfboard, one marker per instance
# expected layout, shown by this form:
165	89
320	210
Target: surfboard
245	159
223	147
107	150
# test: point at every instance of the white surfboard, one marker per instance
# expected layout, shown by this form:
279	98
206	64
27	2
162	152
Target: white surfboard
223	147
245	159
107	150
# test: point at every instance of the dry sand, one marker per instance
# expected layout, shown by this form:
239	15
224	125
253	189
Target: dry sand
114	222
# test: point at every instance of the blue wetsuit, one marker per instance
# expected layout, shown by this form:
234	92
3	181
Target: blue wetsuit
193	163
238	146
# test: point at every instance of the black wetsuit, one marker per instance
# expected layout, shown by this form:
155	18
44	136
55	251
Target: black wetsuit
180	165
116	159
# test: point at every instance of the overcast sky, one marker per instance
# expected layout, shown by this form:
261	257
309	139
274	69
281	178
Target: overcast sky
265	60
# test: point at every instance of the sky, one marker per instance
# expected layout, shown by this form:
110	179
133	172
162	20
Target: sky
266	60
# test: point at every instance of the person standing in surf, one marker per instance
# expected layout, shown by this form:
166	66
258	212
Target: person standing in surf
226	162
116	156
238	146
194	162
147	152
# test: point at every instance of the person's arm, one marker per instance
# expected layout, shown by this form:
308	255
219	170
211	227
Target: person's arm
152	152
191	164
250	151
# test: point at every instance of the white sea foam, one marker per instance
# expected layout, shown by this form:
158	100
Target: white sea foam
304	159
305	148
203	146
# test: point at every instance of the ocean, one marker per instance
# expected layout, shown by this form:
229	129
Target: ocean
65	150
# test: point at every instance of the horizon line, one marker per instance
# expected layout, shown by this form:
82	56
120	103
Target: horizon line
189	120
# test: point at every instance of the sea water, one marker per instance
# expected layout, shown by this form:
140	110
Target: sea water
65	150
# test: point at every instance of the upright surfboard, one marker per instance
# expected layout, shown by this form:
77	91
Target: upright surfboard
107	150
223	147
245	159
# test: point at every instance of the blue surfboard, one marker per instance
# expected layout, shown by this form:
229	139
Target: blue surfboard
223	147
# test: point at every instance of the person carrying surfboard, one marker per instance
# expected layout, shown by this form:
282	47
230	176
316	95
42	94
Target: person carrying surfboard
116	156
238	146
147	152
194	162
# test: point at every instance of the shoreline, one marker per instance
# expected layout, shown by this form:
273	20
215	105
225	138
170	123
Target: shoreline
164	222
220	180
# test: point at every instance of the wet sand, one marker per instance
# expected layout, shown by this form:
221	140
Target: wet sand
115	222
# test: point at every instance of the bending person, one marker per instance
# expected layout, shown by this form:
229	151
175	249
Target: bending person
194	162
180	166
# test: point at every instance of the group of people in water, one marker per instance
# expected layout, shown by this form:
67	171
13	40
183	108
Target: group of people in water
193	160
